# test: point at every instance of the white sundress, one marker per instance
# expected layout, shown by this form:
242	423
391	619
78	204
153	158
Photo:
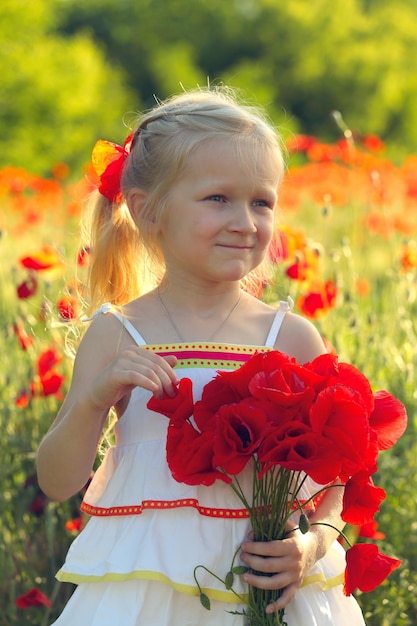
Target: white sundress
134	561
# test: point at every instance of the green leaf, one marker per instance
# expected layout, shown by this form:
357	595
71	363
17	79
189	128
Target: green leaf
240	569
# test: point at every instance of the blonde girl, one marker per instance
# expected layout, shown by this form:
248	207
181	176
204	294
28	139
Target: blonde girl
181	227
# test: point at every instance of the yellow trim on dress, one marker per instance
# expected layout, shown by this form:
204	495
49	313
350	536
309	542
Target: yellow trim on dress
191	590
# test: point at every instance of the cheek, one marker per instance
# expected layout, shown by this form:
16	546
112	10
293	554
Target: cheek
266	231
205	225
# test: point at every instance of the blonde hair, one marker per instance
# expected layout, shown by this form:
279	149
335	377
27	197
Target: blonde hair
127	257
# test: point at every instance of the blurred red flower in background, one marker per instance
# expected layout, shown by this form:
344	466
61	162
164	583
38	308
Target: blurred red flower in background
74	525
25	340
68	307
27	288
44	259
319	299
33	597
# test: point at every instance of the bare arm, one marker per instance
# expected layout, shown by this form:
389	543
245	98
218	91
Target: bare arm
107	367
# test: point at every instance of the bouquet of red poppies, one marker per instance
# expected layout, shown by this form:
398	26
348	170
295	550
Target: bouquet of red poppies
290	421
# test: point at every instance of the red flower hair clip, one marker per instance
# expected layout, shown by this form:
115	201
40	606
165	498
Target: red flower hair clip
108	160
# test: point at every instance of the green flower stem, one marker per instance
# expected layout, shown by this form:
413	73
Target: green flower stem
317	493
275	499
241	598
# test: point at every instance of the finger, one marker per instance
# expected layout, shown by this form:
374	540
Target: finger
285	598
268	565
155	368
166	363
171	359
156	380
131	371
275	581
265	548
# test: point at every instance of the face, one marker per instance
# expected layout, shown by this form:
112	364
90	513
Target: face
220	214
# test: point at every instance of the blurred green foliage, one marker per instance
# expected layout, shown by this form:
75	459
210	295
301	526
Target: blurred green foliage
72	69
52	90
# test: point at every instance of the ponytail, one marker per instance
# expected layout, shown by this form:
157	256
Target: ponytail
117	251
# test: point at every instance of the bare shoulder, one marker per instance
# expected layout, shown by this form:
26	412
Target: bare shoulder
299	338
102	340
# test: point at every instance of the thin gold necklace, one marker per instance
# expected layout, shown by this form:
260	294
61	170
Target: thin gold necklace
216	331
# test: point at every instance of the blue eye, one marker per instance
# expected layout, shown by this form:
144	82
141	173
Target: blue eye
262	203
217	198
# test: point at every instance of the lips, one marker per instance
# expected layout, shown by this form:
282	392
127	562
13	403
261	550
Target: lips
234	246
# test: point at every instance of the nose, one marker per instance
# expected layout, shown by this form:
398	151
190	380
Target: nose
243	219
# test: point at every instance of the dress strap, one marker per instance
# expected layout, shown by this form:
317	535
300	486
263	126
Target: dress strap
107	307
284	307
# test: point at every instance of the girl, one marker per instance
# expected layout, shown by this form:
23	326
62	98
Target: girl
189	204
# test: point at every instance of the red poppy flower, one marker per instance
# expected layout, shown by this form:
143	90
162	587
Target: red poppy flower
388	419
33	597
366	568
320	299
373	143
339	415
84	256
298	271
190	455
370	531
290	385
361	499
25	340
51	383
266	362
68	307
301	143
239	429
231	387
179	407
47	361
28	288
44	259
217	393
74	525
22	399
296	447
346	375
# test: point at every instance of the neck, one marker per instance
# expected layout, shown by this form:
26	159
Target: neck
200	300
202	315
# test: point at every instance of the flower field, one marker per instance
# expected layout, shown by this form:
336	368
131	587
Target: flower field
346	253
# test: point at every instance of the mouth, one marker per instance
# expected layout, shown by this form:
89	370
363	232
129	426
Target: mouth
235	246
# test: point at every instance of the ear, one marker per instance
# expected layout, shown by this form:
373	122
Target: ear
135	200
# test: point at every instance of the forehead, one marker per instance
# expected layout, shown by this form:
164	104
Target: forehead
233	156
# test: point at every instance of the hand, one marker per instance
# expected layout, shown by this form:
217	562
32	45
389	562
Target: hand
286	560
133	367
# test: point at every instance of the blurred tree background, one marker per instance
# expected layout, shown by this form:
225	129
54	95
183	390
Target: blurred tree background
73	71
